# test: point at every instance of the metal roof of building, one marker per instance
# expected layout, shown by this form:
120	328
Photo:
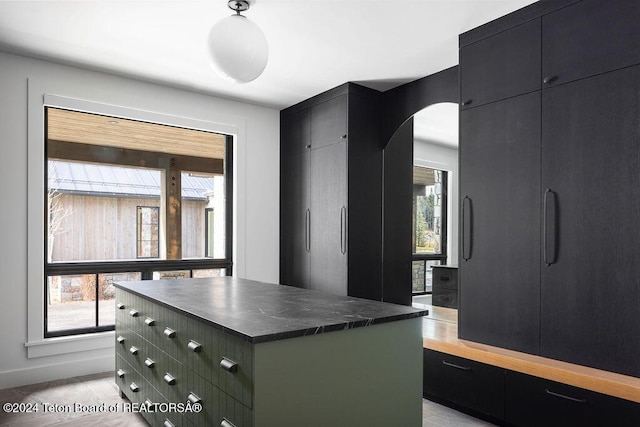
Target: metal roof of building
101	180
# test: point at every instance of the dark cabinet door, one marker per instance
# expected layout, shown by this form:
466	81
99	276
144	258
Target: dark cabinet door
329	122
591	163
294	201
589	38
501	66
470	384
499	267
329	219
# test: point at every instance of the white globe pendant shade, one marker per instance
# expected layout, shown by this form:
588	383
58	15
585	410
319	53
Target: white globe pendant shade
238	48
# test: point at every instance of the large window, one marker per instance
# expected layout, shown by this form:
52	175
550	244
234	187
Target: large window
429	225
128	200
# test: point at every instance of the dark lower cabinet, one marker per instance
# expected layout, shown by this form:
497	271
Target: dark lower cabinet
511	398
464	383
535	402
445	286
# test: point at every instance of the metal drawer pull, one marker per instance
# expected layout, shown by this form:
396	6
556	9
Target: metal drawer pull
453	365
228	365
133	350
226	423
120	306
170	333
134	313
168	378
562	396
149	321
148	402
134	387
150	363
549	79
120	373
193	398
194	346
120	339
168	423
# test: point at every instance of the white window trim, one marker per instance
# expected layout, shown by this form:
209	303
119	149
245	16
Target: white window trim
38	99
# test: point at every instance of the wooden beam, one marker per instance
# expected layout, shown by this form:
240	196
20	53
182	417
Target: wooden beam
62	150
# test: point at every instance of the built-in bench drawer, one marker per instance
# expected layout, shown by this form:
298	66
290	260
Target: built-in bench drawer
463	382
532	401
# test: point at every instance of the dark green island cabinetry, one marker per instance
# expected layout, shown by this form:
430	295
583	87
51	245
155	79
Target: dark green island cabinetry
260	354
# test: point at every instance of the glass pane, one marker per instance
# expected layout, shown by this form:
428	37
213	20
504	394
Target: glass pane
71	302
203	215
212	272
427	210
176	274
148	232
93	211
107	293
417	274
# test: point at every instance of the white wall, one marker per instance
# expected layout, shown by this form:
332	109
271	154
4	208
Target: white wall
442	157
23	83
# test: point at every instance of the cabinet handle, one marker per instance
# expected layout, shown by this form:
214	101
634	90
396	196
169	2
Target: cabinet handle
226	423
444	279
134	313
120	306
307	231
453	365
149	321
168	423
194	398
120	339
169	379
133	350
148	403
549	226
549	79
194	346
134	387
170	333
344	136
343	230
120	373
150	363
562	396
228	365
467	102
467	229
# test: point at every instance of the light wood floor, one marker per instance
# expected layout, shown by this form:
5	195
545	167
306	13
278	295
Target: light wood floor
101	389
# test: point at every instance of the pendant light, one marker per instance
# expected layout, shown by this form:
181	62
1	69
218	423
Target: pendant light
238	48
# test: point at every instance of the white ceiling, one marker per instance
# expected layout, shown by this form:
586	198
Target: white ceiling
314	44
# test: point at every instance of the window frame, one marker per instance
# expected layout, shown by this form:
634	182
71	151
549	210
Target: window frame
442	256
145	266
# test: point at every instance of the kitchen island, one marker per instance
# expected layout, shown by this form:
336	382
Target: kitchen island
257	354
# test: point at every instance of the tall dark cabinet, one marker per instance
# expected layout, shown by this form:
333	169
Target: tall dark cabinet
331	193
550	189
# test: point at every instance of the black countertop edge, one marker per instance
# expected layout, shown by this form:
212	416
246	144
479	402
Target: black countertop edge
292	333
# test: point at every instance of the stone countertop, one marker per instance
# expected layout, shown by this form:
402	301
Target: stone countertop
260	312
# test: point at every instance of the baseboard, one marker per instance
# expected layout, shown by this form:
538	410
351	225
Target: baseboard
39	374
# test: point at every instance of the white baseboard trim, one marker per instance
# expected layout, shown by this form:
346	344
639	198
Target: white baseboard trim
70	369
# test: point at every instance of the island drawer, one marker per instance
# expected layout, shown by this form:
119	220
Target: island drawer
222	359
